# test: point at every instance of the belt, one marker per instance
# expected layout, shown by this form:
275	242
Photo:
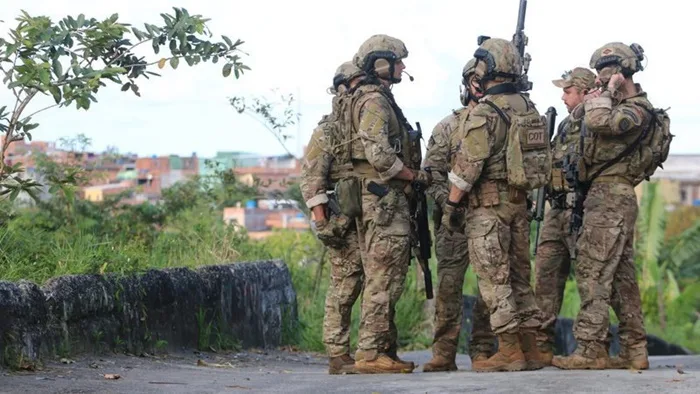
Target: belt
612	179
492	193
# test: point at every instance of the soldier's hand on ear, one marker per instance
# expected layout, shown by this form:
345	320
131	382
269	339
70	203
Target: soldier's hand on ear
615	82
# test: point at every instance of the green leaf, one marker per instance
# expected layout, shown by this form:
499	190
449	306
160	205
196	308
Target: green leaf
156	47
215	59
226	70
30	126
189	60
14	194
44	76
173	45
29	135
228	41
56	92
126	86
57	68
81	20
174	62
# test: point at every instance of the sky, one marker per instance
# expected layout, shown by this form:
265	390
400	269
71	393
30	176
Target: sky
295	46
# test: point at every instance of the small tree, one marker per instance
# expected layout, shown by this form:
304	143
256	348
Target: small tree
72	59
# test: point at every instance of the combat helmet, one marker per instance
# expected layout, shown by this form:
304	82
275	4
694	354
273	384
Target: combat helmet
464	93
378	55
497	58
628	58
344	74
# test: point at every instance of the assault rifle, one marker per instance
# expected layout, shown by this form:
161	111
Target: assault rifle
541	193
520	41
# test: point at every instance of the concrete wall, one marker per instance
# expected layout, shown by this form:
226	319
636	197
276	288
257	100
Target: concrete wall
250	304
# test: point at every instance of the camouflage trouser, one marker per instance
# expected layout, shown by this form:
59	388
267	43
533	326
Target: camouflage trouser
343	291
453	261
384	238
552	267
605	270
499	250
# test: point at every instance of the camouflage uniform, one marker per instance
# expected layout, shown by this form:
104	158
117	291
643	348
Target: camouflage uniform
321	168
380	150
556	245
605	245
497	226
453	259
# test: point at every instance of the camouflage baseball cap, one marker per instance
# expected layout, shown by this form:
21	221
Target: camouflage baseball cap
579	77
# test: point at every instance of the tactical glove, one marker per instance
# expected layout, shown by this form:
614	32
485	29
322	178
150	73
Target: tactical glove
423	177
453	217
331	232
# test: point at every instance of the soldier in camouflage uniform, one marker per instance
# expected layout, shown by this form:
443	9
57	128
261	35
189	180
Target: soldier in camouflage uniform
497	226
321	169
451	249
556	245
614	117
384	157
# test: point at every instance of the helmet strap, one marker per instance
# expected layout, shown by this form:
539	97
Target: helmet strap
503	88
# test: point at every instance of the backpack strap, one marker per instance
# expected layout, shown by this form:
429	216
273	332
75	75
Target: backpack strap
499	111
631	147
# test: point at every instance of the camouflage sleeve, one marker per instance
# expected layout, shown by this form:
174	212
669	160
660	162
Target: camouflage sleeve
436	158
315	167
604	119
373	131
472	153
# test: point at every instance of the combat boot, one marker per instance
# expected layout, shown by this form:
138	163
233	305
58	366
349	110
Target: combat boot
395	356
440	363
381	364
538	354
509	357
341	365
630	359
478	357
591	356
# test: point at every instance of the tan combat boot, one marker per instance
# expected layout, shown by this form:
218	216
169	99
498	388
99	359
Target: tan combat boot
538	354
478	357
381	364
395	356
630	359
341	365
509	357
440	363
592	356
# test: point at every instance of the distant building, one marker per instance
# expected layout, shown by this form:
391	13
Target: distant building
679	180
98	193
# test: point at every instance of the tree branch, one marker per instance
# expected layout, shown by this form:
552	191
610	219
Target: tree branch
39	111
272	131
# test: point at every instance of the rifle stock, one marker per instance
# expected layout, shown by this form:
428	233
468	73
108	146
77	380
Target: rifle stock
551	115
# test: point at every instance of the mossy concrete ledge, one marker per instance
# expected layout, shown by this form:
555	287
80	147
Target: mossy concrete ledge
245	304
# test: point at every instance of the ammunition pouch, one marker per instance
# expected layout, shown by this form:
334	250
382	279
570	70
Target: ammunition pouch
349	194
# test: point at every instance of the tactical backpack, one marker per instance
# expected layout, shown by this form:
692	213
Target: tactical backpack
652	147
528	150
655	142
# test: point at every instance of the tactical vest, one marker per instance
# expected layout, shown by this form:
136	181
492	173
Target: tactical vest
402	141
565	145
516	157
629	162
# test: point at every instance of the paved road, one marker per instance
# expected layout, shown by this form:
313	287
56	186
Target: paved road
284	372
